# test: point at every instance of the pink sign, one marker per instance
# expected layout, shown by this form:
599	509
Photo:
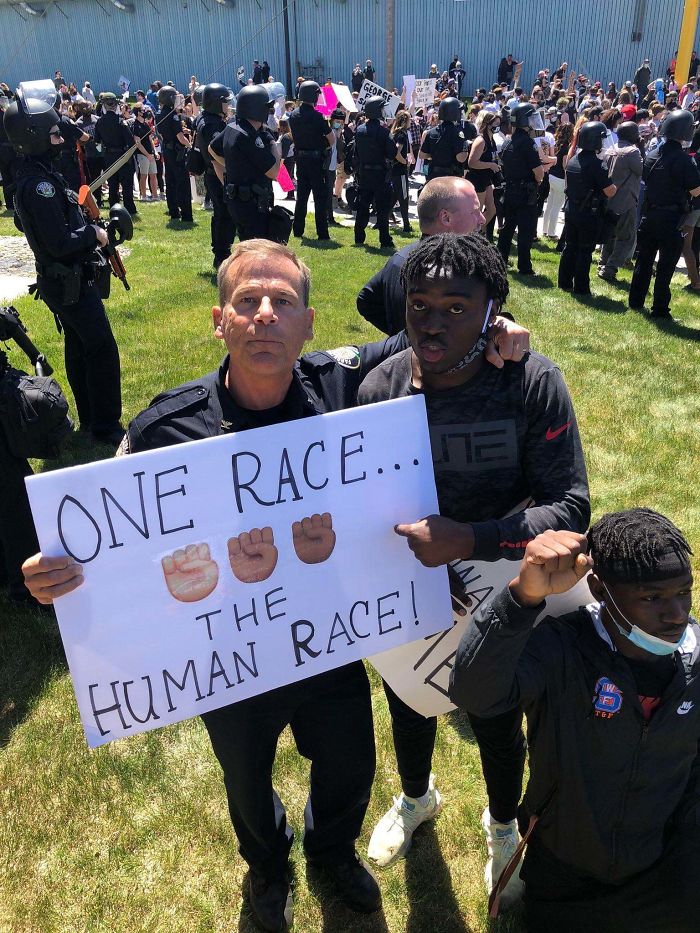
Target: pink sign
327	102
284	181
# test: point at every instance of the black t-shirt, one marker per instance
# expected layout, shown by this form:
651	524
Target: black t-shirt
585	173
113	133
402	145
143	132
670	174
309	129
443	143
247	152
170	123
519	156
207	127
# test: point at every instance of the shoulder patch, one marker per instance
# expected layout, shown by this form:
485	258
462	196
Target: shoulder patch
259	143
45	189
348	357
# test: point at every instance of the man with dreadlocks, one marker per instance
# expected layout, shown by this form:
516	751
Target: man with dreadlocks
612	698
499	437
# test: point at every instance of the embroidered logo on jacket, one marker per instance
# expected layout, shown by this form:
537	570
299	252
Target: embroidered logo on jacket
607	699
685	707
45	189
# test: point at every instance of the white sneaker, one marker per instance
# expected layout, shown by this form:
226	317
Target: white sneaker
393	834
502	840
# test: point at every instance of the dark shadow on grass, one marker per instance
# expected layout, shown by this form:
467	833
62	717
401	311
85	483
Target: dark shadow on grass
320	244
433	905
337	918
602	303
210	275
181	225
533	281
669	325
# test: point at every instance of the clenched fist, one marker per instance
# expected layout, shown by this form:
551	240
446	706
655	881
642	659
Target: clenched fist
190	574
252	555
554	562
314	538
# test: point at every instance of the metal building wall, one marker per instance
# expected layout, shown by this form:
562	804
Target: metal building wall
170	39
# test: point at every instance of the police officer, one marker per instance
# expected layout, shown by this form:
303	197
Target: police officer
8	158
312	138
375	151
251	160
522	173
64	246
114	137
444	146
67	155
671	178
214	102
176	142
588	187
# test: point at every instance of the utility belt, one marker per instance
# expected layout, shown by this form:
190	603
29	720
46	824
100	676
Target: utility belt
179	151
263	197
443	171
71	278
314	153
668	208
521	192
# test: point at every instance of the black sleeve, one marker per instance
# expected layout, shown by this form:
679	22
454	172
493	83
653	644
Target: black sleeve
691	176
60	241
389	147
217	143
382	301
532	156
554	474
372	354
71	133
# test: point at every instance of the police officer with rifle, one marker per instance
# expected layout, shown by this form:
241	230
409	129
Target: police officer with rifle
672	180
374	155
176	143
251	159
68	261
114	137
33	422
523	172
588	188
215	99
312	138
444	147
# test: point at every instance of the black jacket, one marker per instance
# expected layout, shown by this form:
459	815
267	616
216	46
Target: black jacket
613	786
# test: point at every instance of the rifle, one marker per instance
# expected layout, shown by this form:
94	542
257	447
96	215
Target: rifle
119	228
12	328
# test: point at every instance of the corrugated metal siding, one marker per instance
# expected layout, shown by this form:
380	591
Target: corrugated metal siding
182	36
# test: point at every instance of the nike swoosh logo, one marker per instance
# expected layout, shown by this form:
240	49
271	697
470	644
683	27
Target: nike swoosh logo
682	710
551	434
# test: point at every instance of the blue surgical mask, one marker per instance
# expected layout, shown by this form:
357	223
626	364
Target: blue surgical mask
639	637
336	126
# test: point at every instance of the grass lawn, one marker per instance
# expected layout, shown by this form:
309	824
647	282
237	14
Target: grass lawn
135	836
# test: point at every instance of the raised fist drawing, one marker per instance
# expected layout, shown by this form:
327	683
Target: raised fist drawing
190	574
252	555
314	538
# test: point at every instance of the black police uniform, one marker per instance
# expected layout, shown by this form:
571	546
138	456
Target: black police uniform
94	162
375	151
584	212
115	137
178	193
8	165
309	130
382	300
248	155
519	156
64	246
443	143
18	539
67	157
223	228
669	174
330	714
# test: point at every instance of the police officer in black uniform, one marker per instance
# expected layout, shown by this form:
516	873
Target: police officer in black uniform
375	151
8	158
67	156
672	179
522	173
215	99
444	147
176	142
65	248
312	138
251	159
588	188
114	137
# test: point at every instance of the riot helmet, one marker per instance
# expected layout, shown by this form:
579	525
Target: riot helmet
374	107
309	92
526	117
30	118
253	103
591	136
215	98
167	97
197	94
450	109
678	125
628	132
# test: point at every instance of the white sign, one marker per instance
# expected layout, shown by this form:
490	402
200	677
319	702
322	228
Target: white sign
124	84
219	569
409	84
342	92
370	89
420	672
240	75
425	93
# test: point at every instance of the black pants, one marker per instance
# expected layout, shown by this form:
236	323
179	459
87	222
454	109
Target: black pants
124	179
400	183
91	355
251	223
8	162
330	716
658	232
664	898
311	178
501	747
178	193
223	229
580	235
18	539
524	217
382	193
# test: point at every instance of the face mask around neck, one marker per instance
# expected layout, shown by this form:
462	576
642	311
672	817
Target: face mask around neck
640	638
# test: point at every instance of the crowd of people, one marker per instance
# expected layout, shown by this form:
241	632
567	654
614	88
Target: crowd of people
611	692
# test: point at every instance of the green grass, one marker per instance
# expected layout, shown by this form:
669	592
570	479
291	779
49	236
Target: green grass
135	836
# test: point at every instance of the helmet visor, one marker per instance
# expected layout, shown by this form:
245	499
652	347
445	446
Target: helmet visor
534	121
37	96
275	90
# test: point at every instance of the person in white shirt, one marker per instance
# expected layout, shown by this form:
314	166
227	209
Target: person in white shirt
88	94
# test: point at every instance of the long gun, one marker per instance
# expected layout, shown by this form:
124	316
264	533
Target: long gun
12	328
119	228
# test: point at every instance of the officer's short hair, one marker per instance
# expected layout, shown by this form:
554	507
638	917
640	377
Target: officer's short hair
263	249
439	194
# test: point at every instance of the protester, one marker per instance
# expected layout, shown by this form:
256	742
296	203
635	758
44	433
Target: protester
557	187
400	167
624	163
483	162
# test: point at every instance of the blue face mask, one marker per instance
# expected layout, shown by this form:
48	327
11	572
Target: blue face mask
640	638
